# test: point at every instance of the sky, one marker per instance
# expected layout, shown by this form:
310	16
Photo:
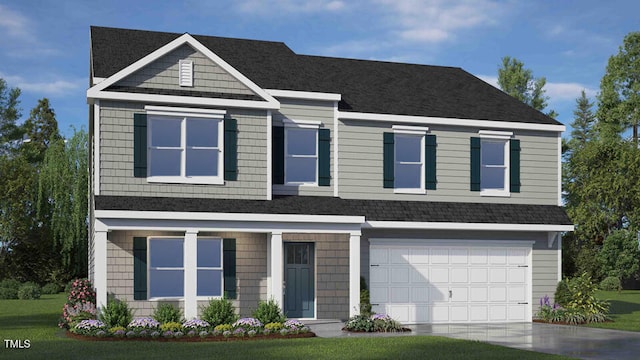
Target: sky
44	45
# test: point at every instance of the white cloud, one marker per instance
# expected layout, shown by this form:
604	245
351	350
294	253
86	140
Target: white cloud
14	24
435	21
289	6
56	87
557	91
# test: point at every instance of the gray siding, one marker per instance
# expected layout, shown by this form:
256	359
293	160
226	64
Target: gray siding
332	273
360	165
306	110
251	269
544	260
116	158
207	75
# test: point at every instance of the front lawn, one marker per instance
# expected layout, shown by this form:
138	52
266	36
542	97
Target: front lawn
624	311
36	320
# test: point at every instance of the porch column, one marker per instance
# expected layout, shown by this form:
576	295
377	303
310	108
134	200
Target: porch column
354	273
100	267
276	267
190	273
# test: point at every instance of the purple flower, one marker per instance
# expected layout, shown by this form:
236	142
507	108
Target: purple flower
248	322
195	324
144	323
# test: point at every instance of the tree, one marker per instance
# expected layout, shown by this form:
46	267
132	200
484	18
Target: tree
619	255
9	113
517	81
63	197
619	98
41	128
583	122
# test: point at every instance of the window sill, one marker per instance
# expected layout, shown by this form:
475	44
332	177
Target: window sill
181	298
297	185
495	193
183	180
409	191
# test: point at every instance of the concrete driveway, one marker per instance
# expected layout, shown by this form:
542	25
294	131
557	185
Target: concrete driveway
574	341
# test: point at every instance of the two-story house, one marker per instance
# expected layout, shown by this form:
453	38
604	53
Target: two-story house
238	167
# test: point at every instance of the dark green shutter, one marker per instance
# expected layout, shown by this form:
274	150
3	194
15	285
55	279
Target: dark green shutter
140	145
139	268
388	160
475	164
230	149
514	166
277	154
324	156
430	162
229	259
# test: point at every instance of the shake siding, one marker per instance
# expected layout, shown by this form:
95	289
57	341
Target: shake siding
306	110
361	161
116	158
207	75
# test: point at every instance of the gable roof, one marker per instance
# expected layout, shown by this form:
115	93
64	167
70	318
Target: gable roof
366	86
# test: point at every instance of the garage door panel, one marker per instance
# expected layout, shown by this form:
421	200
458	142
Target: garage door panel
459	256
439	293
460	275
379	295
516	312
479	313
420	274
517	275
498	313
459	313
460	294
497	275
517	293
400	275
419	256
420	294
439	256
379	256
498	293
379	275
439	275
400	294
440	313
479	256
497	256
399	312
518	256
399	256
480	275
479	294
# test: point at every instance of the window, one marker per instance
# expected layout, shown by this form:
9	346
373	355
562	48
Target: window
185	149
409	162
166	267
494	166
209	271
301	155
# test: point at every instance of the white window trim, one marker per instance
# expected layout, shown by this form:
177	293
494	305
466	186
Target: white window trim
410	130
300	124
221	268
409	133
184	113
505	137
160	298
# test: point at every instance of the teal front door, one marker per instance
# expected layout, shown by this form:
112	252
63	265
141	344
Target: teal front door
299	292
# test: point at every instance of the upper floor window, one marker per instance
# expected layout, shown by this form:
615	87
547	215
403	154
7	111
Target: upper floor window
409	164
185	147
301	155
495	163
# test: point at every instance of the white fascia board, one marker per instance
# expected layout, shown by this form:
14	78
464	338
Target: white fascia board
97	80
464	226
424	120
559	169
269	152
414	130
491	134
168	110
96	90
311	124
203	216
304	95
96	148
182	100
336	157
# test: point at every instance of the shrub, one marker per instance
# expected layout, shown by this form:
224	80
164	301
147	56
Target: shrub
219	311
562	295
8	293
80	305
81	289
116	313
583	298
374	323
611	283
165	313
268	312
222	328
171	327
274	326
29	291
360	323
51	289
365	300
10	284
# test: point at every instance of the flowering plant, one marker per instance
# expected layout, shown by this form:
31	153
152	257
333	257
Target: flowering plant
251	333
141	323
80	305
239	332
249	323
88	327
196	324
548	312
293	325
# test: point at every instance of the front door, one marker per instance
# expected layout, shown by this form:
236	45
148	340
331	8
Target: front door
299	283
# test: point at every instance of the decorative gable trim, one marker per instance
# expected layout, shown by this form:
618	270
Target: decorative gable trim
99	91
185	73
305	95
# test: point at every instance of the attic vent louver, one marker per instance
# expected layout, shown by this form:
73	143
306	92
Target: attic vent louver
185	76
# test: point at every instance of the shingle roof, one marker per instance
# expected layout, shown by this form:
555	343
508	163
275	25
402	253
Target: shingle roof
366	86
372	210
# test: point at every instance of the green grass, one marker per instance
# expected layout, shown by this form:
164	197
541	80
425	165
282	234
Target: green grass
624	310
36	320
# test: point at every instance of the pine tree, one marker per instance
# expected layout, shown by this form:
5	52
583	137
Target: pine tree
518	81
583	122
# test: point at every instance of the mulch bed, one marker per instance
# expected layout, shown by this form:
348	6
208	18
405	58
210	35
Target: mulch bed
192	339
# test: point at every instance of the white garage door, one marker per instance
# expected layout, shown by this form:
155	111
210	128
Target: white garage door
425	282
